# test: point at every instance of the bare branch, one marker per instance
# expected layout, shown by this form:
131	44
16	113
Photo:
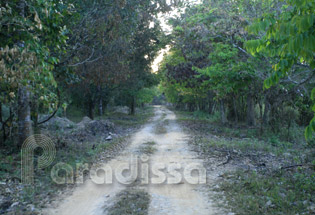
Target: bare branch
88	60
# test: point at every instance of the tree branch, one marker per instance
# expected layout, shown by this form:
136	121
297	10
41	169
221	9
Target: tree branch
54	113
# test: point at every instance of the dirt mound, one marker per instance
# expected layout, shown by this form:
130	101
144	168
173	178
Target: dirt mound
57	123
84	121
95	127
83	132
99	126
87	130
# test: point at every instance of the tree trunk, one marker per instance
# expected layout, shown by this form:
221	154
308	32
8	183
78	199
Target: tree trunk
222	111
214	106
1	120
261	116
34	110
24	115
289	126
235	110
91	108
24	110
100	106
250	110
210	106
265	118
100	101
132	106
4	137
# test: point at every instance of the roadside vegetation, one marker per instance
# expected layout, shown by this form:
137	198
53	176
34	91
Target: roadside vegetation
257	174
86	142
239	61
65	66
148	148
130	202
241	76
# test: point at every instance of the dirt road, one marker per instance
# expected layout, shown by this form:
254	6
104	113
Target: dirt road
176	195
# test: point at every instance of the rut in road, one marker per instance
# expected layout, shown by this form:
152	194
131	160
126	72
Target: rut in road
171	147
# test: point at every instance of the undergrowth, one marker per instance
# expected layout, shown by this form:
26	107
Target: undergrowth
126	120
283	192
44	188
130	202
272	175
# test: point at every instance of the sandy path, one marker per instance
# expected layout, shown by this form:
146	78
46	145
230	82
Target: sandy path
179	198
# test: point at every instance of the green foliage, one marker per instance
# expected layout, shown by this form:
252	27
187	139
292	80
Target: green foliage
146	95
32	40
147	149
79	53
226	74
290	37
130	202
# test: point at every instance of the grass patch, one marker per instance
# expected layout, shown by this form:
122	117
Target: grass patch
160	128
199	116
282	193
147	149
126	120
204	123
150	143
130	202
248	145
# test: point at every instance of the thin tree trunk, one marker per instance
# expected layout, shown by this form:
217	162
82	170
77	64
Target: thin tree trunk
24	115
2	126
265	118
261	117
132	106
250	110
1	120
11	119
214	106
235	110
24	110
210	106
222	111
289	125
100	106
100	101
91	108
34	110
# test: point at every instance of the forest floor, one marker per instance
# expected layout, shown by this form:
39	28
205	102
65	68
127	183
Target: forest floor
245	173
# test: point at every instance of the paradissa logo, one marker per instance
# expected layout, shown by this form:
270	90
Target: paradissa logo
135	169
27	156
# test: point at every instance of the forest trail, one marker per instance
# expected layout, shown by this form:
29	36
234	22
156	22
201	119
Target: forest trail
170	147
